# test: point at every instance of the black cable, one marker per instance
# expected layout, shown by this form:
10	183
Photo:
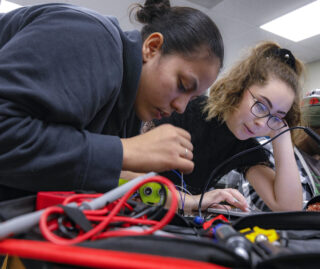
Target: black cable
215	171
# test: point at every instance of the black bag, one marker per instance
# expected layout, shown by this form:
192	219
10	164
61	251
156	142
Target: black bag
181	244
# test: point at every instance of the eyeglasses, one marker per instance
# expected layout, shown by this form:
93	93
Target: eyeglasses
260	110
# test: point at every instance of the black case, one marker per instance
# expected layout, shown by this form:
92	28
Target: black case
189	247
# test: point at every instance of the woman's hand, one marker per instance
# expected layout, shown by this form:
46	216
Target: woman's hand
273	133
161	149
214	199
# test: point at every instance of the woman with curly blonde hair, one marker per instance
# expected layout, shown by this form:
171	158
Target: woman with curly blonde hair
256	69
259	96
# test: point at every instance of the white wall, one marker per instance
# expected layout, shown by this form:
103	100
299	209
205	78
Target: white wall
312	81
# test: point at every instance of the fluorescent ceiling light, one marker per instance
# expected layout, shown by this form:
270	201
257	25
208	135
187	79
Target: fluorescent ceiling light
6	6
297	25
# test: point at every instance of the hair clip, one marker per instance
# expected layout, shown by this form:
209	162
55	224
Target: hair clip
285	56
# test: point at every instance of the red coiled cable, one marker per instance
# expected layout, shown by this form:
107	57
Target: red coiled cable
100	230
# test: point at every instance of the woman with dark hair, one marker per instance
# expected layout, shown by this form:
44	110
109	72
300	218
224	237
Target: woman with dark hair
259	96
74	89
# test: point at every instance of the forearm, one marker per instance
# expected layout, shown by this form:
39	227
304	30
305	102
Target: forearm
188	203
213	198
287	185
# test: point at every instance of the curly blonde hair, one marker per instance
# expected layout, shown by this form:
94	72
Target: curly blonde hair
261	64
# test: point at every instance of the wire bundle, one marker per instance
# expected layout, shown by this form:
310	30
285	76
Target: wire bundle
107	222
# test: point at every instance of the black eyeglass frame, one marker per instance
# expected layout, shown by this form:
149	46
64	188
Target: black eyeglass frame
256	101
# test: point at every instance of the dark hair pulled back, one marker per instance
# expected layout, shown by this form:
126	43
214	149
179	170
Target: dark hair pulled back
185	30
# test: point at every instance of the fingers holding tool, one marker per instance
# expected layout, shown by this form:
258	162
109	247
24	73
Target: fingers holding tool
161	149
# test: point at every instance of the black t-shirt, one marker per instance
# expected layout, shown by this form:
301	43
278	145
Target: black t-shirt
213	144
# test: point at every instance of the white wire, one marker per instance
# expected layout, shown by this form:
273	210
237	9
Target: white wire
184	189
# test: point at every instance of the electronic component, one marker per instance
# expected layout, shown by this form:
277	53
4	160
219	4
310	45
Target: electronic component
233	240
232	212
251	234
150	193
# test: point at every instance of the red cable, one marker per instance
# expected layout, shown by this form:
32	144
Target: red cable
97	230
81	196
96	258
54	225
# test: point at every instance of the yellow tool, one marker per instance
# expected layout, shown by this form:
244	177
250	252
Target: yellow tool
150	193
251	234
